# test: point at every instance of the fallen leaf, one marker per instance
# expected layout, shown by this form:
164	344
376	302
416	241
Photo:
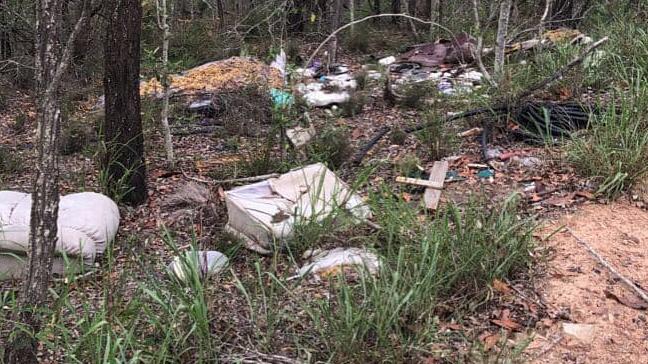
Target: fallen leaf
407	197
489	340
501	287
630	301
585	194
279	217
508	324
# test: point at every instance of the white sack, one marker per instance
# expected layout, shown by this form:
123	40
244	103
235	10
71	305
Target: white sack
86	222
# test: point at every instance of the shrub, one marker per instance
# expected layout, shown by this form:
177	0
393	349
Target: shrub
332	146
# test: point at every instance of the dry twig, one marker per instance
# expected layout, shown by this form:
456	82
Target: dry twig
640	292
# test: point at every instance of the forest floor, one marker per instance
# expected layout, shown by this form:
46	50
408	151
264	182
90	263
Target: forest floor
567	285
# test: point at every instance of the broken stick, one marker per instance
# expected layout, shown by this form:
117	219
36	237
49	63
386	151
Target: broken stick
233	180
640	292
420	182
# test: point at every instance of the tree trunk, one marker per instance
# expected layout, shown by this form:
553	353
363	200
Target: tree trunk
166	35
502	30
52	60
396	9
335	23
5	39
124	159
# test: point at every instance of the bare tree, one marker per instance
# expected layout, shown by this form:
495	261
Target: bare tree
52	61
163	24
335	23
124	155
502	30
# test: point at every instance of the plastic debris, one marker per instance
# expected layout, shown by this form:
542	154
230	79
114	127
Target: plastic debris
387	60
205	107
206	262
281	99
332	262
280	63
263	214
486	174
322	98
300	136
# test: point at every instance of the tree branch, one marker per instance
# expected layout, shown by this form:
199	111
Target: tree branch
332	35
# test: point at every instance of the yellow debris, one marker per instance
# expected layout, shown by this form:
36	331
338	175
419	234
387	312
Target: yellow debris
222	75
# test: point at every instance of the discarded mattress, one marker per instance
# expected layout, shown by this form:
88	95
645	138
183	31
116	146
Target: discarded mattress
263	214
86	223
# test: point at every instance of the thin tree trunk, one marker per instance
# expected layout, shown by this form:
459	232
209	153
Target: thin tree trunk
433	12
124	159
163	23
502	30
52	61
352	14
335	23
396	9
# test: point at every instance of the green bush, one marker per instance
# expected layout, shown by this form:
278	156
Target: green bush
332	146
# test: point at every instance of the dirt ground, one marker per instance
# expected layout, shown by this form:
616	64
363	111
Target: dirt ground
574	290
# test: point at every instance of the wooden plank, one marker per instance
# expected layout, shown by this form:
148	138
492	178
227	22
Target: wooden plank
420	182
437	176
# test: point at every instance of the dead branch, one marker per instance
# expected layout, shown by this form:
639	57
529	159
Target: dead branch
561	72
353	23
640	292
233	180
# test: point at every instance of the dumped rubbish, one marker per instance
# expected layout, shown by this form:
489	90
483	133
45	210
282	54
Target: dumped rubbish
324	98
387	60
87	222
207	263
333	262
433	185
539	121
204	107
488	174
263	214
330	88
442	52
300	136
217	76
281	99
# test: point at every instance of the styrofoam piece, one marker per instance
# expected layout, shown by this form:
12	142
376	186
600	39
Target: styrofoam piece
263	214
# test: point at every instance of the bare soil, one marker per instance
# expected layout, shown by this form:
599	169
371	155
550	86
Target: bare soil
576	284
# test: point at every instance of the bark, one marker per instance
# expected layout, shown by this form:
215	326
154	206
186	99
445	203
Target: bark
163	23
396	9
124	159
502	30
335	23
52	60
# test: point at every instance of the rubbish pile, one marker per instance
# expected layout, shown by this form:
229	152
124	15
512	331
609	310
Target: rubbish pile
264	214
443	62
86	223
218	76
321	86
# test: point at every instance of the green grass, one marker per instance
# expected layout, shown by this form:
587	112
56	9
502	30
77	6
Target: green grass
615	149
434	268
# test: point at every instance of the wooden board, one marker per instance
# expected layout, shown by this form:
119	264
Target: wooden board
437	176
420	182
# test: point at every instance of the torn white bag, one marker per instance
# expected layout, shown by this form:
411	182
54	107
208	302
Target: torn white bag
263	214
